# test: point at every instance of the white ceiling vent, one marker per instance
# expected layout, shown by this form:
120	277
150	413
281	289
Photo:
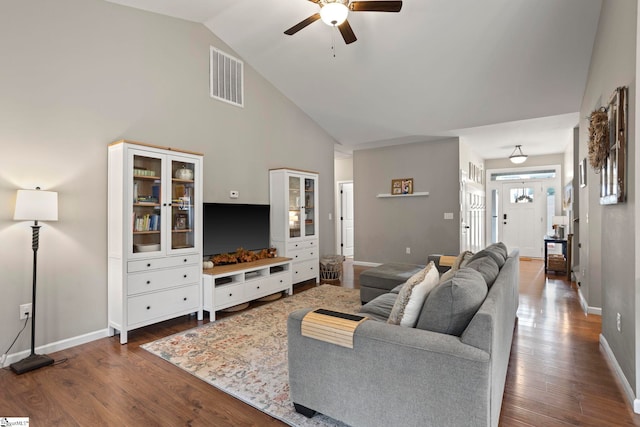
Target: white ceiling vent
226	77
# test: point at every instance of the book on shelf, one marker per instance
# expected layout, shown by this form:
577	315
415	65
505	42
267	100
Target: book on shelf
148	222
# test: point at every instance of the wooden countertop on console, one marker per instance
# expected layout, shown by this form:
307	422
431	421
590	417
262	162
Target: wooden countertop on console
230	268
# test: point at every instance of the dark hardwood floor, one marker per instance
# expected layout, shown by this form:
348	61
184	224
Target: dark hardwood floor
558	374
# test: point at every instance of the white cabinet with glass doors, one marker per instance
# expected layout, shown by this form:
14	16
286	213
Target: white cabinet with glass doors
154	235
294	220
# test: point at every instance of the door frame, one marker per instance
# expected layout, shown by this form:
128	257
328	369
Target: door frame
338	210
497	185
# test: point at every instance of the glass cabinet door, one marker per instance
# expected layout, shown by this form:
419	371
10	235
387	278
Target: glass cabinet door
309	207
146	203
182	205
294	207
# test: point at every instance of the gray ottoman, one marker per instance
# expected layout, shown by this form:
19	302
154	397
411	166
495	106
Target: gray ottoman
381	279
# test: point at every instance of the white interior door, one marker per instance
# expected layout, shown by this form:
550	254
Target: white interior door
346	218
521	217
472	214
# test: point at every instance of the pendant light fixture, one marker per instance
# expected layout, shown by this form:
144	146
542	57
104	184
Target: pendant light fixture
518	156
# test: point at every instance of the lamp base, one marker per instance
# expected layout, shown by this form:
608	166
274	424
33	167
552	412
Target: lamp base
31	363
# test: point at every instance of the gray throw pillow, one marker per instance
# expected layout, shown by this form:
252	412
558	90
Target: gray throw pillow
451	305
486	266
380	307
495	255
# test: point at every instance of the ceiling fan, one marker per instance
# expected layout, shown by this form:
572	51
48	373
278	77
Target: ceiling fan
334	13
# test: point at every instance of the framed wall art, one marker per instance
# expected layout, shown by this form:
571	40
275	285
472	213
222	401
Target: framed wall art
401	186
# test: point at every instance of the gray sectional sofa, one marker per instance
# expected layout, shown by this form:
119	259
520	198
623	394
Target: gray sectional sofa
446	371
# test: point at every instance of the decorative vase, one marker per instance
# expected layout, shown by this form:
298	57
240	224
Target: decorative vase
184	173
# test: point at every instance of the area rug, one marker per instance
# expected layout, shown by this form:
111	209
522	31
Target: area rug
245	355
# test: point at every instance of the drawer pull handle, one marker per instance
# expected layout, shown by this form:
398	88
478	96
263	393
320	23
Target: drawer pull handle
257	287
148	282
149	265
230	295
184	299
148	307
185	276
280	280
296	256
185	260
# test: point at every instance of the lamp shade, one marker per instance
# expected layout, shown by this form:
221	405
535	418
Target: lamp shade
518	156
560	220
334	14
36	205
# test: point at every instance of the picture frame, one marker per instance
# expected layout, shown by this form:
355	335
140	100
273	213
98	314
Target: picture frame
582	173
613	174
181	221
401	186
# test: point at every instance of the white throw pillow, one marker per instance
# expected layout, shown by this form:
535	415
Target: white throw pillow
406	310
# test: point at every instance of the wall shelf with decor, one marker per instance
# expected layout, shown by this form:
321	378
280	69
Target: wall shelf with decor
398	196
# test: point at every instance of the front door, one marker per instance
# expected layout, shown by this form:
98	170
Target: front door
521	217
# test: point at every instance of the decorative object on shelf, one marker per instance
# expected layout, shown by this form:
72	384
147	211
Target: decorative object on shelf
184	173
181	221
598	138
559	224
242	255
582	173
613	171
34	205
402	186
518	157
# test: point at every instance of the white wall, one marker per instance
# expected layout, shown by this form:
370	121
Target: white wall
79	74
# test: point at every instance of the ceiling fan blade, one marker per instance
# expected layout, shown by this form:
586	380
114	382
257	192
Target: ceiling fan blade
300	25
376	6
347	33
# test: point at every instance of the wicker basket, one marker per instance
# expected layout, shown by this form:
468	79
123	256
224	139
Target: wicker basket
331	268
556	262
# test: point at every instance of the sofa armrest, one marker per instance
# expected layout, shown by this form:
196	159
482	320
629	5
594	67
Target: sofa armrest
392	376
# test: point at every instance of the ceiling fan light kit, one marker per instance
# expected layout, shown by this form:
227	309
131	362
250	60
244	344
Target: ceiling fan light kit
518	156
335	12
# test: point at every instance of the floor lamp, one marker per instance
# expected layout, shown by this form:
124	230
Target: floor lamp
34	205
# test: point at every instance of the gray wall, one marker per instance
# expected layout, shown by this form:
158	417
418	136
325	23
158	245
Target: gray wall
609	279
385	227
79	74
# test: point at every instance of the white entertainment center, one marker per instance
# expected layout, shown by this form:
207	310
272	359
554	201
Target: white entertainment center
226	286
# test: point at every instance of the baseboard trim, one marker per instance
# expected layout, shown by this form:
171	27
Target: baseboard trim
366	264
58	345
585	306
628	390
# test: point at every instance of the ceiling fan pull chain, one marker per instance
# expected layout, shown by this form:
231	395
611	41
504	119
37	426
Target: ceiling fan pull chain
333	41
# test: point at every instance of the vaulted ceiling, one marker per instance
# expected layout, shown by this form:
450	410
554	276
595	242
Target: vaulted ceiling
494	72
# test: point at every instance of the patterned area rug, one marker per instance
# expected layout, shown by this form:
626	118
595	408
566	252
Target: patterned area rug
245	355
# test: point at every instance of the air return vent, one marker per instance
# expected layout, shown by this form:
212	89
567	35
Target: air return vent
226	77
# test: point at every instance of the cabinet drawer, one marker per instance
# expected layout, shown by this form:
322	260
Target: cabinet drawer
305	244
278	282
147	307
304	270
149	281
226	296
152	264
304	255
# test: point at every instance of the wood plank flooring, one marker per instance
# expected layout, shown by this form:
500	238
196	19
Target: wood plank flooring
558	374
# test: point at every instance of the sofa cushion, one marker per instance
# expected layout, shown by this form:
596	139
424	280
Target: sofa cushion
461	260
379	308
451	305
486	266
501	247
409	302
495	254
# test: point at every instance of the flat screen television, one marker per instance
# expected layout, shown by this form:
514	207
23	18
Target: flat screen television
229	226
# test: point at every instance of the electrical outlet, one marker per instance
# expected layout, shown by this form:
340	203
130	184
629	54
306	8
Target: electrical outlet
408	251
25	311
618	322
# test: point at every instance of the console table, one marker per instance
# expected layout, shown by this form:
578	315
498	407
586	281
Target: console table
553	264
227	285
